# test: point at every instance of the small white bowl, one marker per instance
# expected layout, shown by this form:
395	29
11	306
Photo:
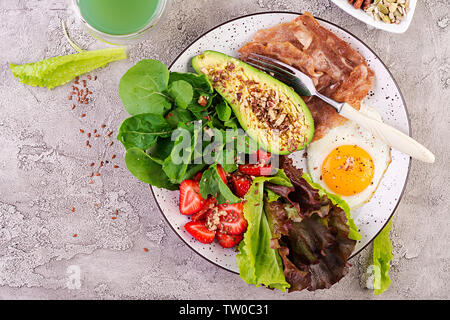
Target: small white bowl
363	16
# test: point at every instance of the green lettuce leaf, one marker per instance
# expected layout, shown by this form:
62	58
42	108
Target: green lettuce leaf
258	263
57	71
336	200
382	256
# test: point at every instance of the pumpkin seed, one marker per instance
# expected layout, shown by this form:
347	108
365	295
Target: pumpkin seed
382	8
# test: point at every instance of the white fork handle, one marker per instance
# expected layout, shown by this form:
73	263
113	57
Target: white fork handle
391	136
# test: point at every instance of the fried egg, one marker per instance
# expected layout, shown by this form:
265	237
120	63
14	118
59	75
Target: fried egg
349	161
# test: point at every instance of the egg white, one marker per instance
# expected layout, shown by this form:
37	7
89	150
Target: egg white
351	134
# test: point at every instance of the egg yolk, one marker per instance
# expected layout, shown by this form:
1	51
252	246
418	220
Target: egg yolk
348	170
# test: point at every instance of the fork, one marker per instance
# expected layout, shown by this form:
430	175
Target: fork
304	86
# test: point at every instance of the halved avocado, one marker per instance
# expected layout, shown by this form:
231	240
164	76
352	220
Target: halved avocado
268	110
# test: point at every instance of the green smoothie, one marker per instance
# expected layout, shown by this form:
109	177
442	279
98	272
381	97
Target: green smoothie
118	17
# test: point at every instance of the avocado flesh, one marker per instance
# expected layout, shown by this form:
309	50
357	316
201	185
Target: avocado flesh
268	110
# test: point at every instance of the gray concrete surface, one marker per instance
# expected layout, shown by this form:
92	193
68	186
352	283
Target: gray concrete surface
44	167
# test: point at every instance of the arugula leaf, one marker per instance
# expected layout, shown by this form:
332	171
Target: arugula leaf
142	88
212	184
258	263
382	256
336	200
147	170
182	92
57	71
143	130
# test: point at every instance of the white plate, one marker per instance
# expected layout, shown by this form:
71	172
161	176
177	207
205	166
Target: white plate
385	97
364	17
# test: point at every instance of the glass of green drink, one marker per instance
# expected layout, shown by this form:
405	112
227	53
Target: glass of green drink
120	21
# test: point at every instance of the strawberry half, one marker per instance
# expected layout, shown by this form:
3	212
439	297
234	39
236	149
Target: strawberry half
241	184
200	232
222	173
228	241
257	170
201	215
234	222
191	200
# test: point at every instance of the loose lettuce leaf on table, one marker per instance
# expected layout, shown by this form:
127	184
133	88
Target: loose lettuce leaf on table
382	256
143	88
258	263
59	70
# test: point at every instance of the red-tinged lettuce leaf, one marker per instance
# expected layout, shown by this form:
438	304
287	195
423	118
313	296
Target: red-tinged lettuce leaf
314	251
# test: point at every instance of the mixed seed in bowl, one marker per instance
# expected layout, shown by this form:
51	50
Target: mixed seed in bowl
388	11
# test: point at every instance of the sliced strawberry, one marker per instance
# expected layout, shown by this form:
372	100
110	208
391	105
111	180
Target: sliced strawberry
257	170
241	184
200	232
228	241
198	176
222	173
233	222
201	215
191	200
263	156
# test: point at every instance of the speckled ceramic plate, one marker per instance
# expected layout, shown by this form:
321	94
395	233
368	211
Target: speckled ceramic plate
385	97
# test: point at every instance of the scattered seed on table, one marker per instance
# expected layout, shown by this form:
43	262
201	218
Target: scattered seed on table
89	77
83	115
73	209
91	182
92	164
111	143
73	106
109	134
75	235
98	174
70	98
89	134
95	131
116	212
95	77
91	175
97	135
116	166
146	249
81	131
114	218
103	125
113	156
101	164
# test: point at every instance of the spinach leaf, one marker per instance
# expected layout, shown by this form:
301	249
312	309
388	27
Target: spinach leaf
142	88
176	165
212	184
199	83
182	93
177	115
143	130
223	111
161	150
147	170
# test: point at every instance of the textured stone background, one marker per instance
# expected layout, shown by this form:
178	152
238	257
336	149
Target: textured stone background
44	166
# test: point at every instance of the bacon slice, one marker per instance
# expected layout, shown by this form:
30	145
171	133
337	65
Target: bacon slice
337	70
